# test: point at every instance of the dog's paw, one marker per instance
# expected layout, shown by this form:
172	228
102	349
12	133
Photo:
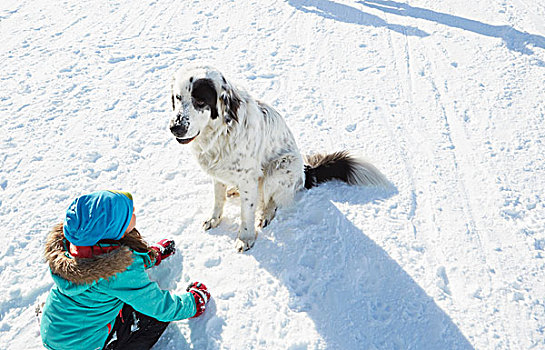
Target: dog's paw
266	217
263	223
242	246
212	223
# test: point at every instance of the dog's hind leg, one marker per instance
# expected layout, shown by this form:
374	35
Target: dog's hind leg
267	214
248	189
219	201
267	207
282	178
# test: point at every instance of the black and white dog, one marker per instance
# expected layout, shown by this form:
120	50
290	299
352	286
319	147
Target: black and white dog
245	143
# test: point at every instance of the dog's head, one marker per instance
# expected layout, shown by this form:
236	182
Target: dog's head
201	97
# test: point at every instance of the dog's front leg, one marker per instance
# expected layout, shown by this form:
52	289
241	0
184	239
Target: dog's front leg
219	201
247	235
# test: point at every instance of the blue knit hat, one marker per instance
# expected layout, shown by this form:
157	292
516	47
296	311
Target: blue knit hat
96	216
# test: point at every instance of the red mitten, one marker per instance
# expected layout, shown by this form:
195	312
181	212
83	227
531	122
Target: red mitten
164	249
201	295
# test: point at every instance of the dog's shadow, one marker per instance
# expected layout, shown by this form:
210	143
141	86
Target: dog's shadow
357	296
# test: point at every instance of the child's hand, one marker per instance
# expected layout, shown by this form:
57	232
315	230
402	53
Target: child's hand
164	249
201	295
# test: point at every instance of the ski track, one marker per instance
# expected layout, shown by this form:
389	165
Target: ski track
446	99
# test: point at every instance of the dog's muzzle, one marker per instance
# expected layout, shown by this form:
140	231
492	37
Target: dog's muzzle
180	124
178	130
179	127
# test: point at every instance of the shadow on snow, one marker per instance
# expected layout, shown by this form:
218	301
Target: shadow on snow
357	296
515	40
348	14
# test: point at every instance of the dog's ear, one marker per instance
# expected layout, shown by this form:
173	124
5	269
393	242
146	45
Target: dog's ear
230	103
172	94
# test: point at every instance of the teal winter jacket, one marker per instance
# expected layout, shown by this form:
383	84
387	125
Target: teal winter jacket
89	293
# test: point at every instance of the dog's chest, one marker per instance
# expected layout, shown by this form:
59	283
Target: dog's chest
229	167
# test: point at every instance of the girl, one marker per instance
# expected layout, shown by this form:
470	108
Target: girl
103	298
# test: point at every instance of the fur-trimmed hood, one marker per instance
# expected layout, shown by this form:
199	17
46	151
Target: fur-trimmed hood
85	271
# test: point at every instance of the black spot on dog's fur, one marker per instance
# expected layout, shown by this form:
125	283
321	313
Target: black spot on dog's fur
263	109
232	103
205	91
191	79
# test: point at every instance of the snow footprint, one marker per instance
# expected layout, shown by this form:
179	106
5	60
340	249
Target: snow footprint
212	262
380	311
442	281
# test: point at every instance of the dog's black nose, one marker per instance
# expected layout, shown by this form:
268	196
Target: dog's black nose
178	130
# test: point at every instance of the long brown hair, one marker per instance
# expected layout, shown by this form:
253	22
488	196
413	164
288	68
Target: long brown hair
134	241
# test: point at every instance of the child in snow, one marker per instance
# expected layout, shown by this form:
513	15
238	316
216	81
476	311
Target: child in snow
103	298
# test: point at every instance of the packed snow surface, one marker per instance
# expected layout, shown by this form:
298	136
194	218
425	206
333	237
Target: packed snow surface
446	98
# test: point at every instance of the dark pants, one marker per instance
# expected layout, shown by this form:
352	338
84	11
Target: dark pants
134	330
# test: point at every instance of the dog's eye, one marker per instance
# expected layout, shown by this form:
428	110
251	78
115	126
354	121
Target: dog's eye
179	97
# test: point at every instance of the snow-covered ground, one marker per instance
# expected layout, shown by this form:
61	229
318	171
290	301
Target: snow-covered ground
446	98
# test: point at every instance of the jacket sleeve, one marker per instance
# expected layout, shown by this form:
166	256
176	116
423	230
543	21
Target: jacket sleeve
134	287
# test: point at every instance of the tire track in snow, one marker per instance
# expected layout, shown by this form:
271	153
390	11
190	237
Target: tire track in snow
452	146
403	69
399	136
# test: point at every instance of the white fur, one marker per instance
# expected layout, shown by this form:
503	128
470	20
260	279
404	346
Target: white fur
257	154
249	147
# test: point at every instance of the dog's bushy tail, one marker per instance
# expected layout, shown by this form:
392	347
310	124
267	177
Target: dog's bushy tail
341	166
